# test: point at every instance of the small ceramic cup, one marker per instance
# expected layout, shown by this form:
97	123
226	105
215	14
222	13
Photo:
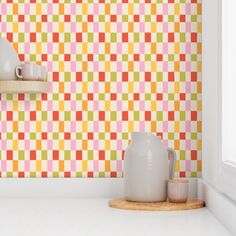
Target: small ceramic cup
28	71
177	190
42	74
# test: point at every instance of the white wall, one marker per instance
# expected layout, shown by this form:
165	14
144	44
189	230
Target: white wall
210	135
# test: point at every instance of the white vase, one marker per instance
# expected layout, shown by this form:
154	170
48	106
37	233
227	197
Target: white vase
146	169
8	60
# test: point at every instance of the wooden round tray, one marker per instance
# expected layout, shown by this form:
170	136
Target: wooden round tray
155	206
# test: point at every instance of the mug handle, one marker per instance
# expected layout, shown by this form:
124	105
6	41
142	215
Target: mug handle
172	162
18	72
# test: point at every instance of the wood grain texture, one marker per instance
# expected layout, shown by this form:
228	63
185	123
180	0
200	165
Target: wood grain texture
155	206
20	86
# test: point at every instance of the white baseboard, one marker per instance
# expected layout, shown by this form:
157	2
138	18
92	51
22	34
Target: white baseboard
69	188
61	187
220	205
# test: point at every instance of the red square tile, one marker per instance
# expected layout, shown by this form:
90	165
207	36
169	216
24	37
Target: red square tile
148	115
101	155
125	76
125	37
171	37
171	115
101	37
55	115
147	37
101	115
125	115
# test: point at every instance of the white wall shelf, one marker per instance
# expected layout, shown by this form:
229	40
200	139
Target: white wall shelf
20	86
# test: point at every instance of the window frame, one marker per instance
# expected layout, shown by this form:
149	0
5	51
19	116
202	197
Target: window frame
227	169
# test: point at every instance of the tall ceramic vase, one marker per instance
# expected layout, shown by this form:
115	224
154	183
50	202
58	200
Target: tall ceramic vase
147	169
8	60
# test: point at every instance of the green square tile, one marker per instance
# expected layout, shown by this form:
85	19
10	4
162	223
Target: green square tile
55	136
79	136
159	76
194	174
79	57
125	136
21	155
79	174
67	155
101	96
194	136
78	96
90	76
171	18
55	57
171	57
136	76
55	18
9	96
32	174
21	115
67	37
125	18
171	96
113	37
193	96
21	37
90	37
9	18
101	136
67	115
182	37
44	37
10	136
55	96
148	18
182	155
9	174
90	115
159	37
101	57
125	57
55	175
90	155
113	76
159	115
33	136
44	115
101	174
113	155
78	18
125	97
32	57
101	18
136	115
182	76
44	155
171	136
136	37
67	76
147	96
182	115
113	115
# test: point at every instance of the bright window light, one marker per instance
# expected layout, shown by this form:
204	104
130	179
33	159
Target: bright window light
229	81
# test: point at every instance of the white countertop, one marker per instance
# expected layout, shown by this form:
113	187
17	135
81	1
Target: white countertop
88	217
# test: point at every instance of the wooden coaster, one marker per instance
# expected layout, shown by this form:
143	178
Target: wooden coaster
155	206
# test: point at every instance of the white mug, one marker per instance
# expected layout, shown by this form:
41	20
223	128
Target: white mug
42	73
31	72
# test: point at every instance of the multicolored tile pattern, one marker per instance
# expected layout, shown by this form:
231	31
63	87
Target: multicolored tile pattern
115	67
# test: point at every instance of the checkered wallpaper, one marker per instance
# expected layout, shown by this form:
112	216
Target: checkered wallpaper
114	67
